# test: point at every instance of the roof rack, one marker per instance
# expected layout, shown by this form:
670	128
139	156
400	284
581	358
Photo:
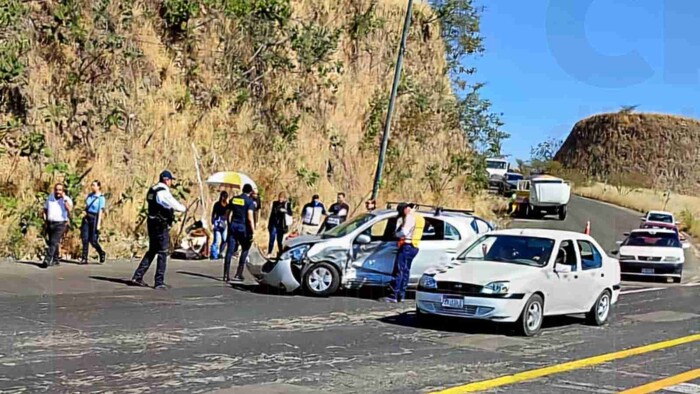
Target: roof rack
436	209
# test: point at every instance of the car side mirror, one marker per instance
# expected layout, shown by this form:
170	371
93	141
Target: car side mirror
562	268
626	234
685	245
618	243
677	223
363	239
614	252
643	218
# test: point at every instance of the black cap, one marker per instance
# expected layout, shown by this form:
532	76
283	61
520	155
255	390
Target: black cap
166	175
247	188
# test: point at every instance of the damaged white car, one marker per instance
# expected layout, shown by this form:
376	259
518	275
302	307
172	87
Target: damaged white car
361	251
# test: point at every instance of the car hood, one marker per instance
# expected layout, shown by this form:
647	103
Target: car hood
303	240
483	272
651	251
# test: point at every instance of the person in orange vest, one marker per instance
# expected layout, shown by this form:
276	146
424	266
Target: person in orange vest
409	232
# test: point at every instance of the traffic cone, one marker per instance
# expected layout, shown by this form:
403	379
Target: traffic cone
587	230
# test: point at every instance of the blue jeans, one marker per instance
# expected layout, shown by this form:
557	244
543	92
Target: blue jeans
276	234
402	271
219	244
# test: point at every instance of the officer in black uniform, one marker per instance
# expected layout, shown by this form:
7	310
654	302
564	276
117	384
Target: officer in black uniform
161	213
240	232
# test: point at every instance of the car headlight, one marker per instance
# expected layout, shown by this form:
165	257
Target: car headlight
672	259
623	258
296	253
427	282
500	287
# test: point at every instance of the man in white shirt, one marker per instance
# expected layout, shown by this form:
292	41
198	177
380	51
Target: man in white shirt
161	213
56	215
312	216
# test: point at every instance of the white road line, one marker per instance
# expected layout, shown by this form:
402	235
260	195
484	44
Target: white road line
642	290
684	388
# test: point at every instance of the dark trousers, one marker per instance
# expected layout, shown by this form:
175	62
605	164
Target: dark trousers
158	246
237	236
402	271
88	234
276	234
54	233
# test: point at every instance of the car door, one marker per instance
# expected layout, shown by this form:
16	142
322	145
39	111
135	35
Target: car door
374	262
563	287
440	240
592	276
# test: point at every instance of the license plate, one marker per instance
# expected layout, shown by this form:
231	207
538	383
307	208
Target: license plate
452	302
648	271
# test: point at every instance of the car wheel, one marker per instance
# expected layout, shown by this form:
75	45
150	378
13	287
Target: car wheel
600	311
676	280
321	280
562	212
531	318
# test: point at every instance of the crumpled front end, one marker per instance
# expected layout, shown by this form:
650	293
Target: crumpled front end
281	274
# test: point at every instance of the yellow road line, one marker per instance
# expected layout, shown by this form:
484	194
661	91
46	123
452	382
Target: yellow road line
569	366
663	383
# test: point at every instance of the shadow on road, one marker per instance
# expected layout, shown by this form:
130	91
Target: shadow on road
120	281
473	326
197	274
29	262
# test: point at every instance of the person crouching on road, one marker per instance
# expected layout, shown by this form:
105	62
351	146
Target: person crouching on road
277	225
219	225
409	232
312	215
161	214
90	227
56	215
240	232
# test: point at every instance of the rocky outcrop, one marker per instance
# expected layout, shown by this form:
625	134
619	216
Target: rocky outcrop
664	148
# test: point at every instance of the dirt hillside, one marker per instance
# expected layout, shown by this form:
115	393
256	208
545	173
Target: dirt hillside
292	93
663	150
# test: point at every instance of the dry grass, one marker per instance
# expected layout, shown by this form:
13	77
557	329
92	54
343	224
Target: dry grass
686	208
160	133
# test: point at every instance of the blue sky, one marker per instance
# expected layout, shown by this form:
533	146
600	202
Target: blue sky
549	63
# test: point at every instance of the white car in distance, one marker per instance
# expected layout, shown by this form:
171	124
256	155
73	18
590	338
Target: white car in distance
660	217
652	252
520	276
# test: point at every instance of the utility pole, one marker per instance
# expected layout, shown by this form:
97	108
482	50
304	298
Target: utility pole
392	102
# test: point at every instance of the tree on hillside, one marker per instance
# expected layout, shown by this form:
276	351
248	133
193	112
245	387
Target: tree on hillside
545	150
461	32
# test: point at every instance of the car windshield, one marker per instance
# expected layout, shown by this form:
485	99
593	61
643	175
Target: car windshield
498	165
513	249
653	238
514	177
348	227
660	217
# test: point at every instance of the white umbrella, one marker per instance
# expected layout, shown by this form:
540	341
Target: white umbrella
231	178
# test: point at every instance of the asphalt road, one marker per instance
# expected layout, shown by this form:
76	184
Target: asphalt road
80	329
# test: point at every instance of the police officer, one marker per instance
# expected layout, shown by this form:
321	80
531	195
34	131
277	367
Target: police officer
90	226
409	232
240	232
161	213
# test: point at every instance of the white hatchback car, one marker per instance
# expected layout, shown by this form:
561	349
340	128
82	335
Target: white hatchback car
361	252
523	275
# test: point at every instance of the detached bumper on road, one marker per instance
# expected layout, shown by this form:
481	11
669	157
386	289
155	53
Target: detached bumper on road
496	309
638	268
278	273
